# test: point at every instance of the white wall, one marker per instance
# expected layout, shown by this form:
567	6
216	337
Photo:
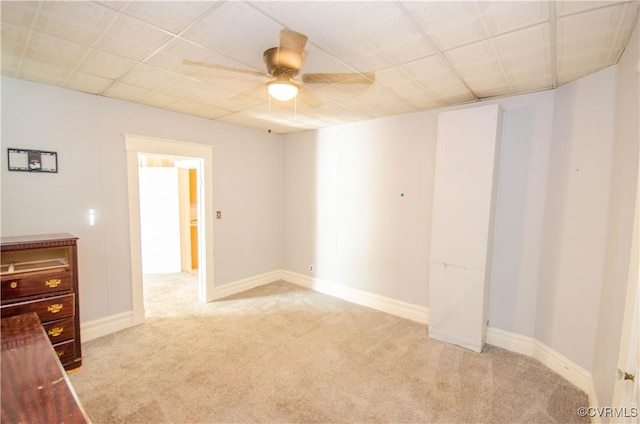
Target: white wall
87	132
576	217
356	205
624	180
343	212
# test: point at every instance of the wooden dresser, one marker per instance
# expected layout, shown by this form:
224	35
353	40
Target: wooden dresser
40	274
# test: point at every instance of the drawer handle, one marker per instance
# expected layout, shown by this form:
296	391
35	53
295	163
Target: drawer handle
53	283
56	331
55	308
60	353
13	284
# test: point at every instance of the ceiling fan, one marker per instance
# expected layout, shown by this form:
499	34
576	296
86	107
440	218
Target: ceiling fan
283	65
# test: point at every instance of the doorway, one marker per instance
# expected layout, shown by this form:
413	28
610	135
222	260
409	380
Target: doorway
168	230
169	213
196	154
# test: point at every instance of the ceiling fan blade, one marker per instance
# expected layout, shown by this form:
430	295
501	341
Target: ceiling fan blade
223	68
340	78
291	40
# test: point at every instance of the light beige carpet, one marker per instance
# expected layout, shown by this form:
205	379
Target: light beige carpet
283	354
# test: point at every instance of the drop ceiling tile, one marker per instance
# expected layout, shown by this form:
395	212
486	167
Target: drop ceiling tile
526	57
13	47
87	83
232	83
593	40
448	24
370	100
524	47
579	65
183	87
148	77
118	39
10	64
123	91
336	114
55	51
190	107
226	99
564	8
402	84
159	99
438	78
480	67
20	13
245	39
105	64
491	86
45	73
257	123
261	118
284	114
173	16
114	5
80	22
339	92
527	80
505	16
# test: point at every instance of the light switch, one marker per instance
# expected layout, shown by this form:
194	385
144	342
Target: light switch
218	215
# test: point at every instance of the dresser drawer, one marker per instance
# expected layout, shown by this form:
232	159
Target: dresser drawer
14	287
49	309
59	331
66	351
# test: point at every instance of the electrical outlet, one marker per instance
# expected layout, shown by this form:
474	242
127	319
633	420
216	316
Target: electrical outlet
311	268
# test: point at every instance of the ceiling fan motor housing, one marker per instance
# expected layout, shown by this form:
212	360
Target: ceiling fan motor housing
282	62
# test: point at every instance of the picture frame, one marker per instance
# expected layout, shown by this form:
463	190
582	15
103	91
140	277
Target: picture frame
27	160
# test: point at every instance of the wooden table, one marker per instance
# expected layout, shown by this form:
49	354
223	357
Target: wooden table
35	387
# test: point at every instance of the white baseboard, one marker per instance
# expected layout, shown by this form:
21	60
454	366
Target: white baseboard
91	330
510	341
529	346
243	285
391	306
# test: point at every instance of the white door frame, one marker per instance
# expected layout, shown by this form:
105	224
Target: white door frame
134	145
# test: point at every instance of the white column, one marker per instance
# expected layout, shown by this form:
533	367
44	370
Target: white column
467	159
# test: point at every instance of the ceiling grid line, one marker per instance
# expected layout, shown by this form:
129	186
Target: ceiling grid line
435	48
494	50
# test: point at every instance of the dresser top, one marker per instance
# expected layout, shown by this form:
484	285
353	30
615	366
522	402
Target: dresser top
36	238
35	387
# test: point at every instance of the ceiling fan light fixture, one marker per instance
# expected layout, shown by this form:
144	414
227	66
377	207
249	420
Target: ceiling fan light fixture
282	89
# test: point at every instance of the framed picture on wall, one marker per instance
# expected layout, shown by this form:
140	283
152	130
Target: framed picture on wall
32	160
